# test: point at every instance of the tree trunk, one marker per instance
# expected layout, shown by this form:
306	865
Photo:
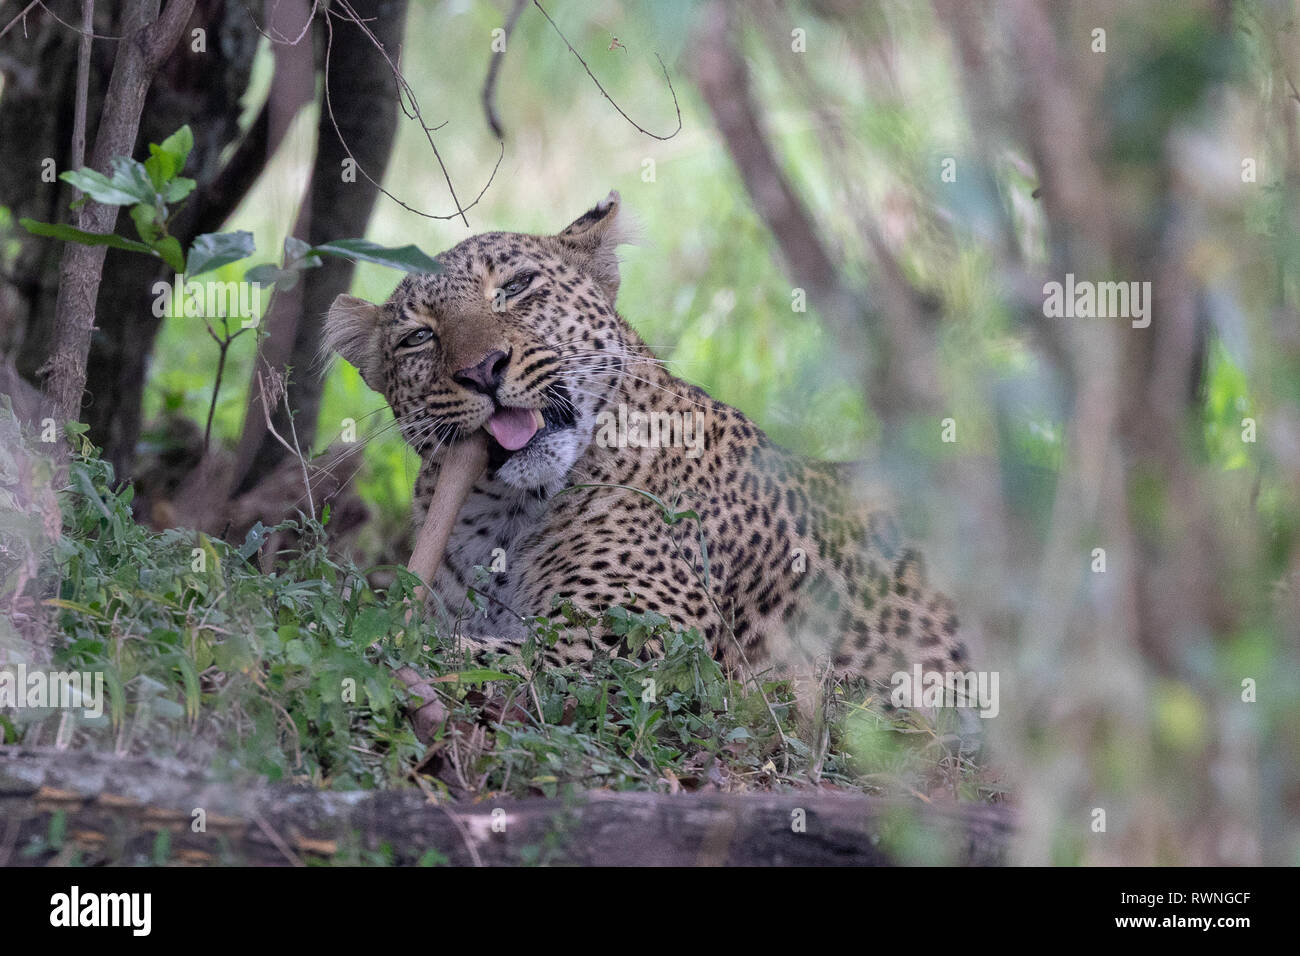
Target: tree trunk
202	89
36	126
147	39
363	98
116	808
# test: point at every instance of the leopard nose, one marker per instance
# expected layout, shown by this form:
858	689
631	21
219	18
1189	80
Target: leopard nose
486	375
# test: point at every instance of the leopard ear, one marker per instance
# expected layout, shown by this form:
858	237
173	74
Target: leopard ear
590	242
352	330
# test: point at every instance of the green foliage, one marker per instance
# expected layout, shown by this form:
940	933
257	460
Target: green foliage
151	187
196	643
1227	405
287	674
298	257
148	188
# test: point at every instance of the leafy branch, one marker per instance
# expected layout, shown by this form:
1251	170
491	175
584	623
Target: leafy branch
154	190
149	189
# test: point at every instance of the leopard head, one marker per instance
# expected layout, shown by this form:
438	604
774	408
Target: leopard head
515	334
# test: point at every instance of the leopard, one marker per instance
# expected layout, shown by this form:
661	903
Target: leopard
611	482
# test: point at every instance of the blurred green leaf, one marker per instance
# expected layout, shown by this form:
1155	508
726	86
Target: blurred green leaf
215	249
407	258
72	234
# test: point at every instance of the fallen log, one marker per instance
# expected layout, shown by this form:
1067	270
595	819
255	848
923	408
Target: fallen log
103	808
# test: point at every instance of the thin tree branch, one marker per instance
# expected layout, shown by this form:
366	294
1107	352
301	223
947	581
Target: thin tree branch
605	93
84	30
280	37
403	87
271	389
494	69
22	15
161	36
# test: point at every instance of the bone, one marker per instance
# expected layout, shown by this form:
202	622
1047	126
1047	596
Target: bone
463	465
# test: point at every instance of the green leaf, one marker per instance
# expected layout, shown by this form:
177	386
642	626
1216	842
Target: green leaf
190	676
406	258
179	144
178	189
298	257
72	234
269	274
370	625
378	693
116	693
58	829
167	159
130	176
169	249
128	183
99	187
159	169
253	542
297	653
145	217
295	249
162	847
215	249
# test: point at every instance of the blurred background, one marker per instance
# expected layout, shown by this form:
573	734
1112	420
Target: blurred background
848	239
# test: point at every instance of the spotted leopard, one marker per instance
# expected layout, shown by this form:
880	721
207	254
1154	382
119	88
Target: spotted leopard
788	563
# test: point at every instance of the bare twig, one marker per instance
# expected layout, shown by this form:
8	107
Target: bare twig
22	16
223	343
605	93
279	37
402	87
462	832
161	36
722	77
494	69
85	29
271	389
277	841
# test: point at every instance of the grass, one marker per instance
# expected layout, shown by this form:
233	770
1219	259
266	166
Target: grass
284	674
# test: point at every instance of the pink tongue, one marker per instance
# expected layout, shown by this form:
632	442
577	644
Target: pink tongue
513	427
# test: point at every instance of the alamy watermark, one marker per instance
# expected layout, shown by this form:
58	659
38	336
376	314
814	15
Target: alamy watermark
636	428
131	911
1098	300
65	690
209	299
920	688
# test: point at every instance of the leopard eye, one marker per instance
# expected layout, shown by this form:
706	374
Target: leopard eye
418	337
519	283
